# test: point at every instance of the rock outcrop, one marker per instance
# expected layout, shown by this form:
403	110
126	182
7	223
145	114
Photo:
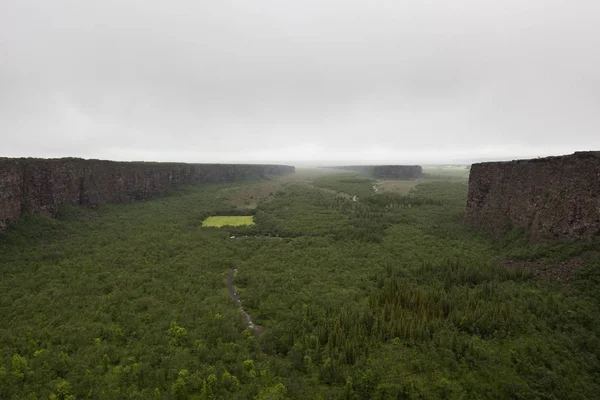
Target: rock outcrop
552	198
40	186
387	171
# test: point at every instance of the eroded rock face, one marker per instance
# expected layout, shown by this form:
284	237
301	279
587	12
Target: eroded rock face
552	198
11	193
387	171
39	186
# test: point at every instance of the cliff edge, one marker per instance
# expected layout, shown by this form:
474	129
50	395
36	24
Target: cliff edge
40	186
556	198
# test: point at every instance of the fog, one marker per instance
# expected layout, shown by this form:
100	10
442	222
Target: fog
299	82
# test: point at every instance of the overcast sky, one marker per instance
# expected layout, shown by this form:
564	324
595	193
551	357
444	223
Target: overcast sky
274	80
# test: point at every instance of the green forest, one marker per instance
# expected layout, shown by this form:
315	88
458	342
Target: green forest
386	296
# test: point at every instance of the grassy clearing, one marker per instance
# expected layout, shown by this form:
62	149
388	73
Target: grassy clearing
225	220
396	186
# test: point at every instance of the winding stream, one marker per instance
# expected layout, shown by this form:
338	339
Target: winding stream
236	296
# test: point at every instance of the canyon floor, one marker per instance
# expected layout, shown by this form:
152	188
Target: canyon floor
386	297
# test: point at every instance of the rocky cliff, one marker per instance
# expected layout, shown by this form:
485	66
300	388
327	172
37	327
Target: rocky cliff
387	171
40	186
552	198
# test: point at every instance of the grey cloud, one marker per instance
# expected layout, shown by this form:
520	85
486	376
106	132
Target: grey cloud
275	80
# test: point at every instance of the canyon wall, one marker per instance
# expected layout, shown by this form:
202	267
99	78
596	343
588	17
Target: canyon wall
556	198
40	186
387	171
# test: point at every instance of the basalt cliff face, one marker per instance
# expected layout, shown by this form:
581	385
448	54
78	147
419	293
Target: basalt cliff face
39	186
552	198
387	171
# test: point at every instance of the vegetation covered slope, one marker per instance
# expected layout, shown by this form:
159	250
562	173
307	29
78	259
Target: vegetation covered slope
387	297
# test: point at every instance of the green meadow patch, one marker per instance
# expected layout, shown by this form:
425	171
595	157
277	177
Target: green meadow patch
225	220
